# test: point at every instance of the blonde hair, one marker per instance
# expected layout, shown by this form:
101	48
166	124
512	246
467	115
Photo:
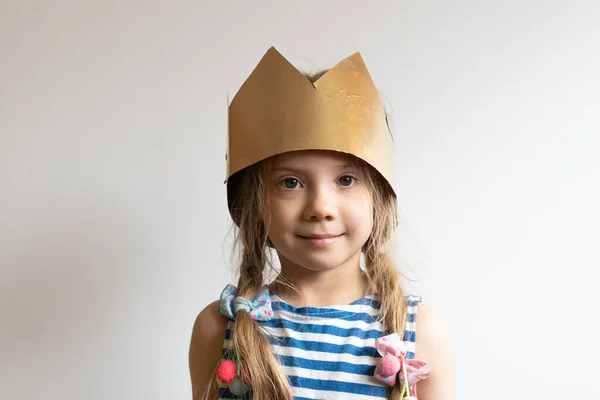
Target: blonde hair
250	208
250	211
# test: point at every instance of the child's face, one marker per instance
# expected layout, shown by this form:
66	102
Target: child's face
321	209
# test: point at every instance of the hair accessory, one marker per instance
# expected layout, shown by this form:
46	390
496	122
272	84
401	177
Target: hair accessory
394	362
233	376
226	372
259	308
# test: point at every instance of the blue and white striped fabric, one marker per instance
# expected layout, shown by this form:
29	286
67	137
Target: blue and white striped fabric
329	352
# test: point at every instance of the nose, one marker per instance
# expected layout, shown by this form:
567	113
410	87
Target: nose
320	204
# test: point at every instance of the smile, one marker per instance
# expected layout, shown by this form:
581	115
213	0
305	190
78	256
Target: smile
321	240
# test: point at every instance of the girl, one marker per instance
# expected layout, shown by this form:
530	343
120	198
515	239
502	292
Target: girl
310	176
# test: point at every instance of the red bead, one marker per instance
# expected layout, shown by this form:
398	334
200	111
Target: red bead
226	372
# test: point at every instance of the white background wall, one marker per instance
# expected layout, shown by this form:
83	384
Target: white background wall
113	223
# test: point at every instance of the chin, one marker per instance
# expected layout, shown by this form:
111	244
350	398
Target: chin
317	262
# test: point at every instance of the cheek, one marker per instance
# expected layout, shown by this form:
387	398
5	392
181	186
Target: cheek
360	215
367	206
279	215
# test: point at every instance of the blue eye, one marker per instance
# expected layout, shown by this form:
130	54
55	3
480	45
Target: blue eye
346	180
290	183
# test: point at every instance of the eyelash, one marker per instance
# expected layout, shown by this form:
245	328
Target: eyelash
354	180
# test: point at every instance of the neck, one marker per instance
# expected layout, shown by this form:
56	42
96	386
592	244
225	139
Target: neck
335	286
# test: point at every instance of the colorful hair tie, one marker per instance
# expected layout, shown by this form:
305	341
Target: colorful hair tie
259	308
394	362
234	376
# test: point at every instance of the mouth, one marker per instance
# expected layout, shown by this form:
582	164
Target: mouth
324	236
321	240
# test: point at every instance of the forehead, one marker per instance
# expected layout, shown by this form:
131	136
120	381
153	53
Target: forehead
313	157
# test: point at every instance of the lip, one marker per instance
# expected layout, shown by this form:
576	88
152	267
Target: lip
324	236
323	240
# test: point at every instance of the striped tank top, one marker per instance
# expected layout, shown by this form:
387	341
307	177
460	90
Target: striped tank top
329	352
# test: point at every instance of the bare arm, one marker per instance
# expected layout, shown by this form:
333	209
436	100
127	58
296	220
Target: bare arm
205	349
434	344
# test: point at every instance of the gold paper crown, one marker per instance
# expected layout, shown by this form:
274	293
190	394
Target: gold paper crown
278	110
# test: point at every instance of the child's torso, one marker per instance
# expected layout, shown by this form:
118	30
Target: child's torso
329	352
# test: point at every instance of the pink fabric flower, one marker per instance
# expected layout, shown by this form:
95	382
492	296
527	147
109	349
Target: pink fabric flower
391	347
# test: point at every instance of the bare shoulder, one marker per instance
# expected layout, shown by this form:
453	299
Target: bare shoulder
434	344
205	348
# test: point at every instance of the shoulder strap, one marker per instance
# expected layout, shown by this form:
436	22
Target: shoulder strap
410	333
